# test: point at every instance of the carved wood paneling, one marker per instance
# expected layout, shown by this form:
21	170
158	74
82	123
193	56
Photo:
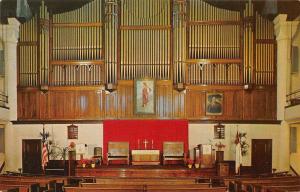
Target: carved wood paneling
179	104
97	104
28	104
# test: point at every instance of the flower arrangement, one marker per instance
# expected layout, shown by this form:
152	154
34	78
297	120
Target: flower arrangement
190	161
84	162
241	138
220	146
197	163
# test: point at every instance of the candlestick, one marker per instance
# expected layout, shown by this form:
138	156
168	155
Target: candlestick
152	144
145	143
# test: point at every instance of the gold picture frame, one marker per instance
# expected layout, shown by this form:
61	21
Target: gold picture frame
214	103
144	96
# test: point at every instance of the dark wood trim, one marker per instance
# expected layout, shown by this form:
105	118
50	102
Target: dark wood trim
56	122
78	121
241	43
76	62
64	88
275	122
214	61
119	43
50	47
28	43
265	41
214	23
146	27
171	44
95	24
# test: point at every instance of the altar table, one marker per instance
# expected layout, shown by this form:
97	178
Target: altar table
145	157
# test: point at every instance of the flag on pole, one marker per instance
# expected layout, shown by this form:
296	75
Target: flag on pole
238	153
44	156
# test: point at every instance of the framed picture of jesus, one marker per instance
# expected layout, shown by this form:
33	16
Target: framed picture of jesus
144	96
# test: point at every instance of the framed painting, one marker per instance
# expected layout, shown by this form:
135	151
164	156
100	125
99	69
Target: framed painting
214	103
144	96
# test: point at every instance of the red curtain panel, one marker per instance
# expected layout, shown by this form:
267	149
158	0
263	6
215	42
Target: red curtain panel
135	131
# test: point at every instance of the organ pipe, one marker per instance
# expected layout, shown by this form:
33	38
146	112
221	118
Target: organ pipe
186	41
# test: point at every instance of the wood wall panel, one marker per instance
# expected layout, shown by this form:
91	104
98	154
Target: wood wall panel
111	105
247	103
195	101
179	104
233	103
28	103
125	101
164	92
98	104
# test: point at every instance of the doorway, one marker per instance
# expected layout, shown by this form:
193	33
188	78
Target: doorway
262	155
31	156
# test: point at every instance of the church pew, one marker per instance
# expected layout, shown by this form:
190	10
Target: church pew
185	189
148	186
44	182
75	180
8	189
261	187
242	184
145	181
21	188
141	188
286	188
34	187
138	188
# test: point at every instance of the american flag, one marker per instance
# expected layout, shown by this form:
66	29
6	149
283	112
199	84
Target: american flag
44	156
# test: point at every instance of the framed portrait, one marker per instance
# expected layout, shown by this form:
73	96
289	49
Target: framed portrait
144	96
214	103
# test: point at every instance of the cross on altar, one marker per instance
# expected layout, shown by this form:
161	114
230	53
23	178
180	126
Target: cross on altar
145	143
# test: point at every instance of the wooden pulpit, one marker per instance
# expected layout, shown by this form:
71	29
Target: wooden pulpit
207	156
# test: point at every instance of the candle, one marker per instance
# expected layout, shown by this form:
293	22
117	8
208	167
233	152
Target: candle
152	143
138	143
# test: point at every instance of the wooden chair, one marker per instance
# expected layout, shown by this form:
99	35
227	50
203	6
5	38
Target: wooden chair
118	151
173	151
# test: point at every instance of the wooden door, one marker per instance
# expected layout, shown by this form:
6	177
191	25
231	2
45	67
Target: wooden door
262	155
31	156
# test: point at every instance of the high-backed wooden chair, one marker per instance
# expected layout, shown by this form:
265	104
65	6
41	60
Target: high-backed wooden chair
118	151
173	151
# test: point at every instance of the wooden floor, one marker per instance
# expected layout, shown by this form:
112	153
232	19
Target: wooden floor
155	171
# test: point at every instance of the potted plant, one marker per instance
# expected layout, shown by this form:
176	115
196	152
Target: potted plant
220	146
83	162
190	163
197	163
220	152
93	163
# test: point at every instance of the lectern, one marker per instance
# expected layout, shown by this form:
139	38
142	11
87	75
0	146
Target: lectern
207	156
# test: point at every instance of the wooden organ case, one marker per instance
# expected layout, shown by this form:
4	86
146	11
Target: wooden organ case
70	63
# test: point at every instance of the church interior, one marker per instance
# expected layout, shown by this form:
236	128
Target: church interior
149	95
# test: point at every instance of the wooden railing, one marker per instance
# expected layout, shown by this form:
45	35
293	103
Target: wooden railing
293	98
3	100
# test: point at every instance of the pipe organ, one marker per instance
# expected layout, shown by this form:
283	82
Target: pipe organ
109	42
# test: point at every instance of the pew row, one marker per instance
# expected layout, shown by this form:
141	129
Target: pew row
146	188
8	189
145	181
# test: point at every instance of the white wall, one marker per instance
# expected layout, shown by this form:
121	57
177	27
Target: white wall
92	134
295	77
203	133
